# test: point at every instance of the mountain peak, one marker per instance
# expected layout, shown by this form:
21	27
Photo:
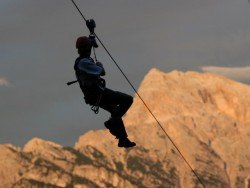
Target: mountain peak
37	143
182	93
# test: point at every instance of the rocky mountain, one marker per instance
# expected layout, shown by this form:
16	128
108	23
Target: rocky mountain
207	116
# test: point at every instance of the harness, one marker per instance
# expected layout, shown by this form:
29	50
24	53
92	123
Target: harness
91	86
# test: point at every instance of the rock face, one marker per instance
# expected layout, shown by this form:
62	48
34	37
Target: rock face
207	116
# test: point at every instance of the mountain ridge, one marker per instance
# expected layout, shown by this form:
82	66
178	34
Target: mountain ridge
206	115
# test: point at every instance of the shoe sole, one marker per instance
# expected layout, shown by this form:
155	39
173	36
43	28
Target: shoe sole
122	146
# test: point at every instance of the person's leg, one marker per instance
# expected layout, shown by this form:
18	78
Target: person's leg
115	124
116	127
124	102
117	104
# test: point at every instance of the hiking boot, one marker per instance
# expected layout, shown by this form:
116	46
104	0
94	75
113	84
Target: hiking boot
126	143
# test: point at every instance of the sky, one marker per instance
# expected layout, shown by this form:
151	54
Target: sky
37	54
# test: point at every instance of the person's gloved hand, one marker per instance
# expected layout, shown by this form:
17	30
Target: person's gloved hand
99	64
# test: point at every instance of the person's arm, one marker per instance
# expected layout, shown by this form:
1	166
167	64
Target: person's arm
90	67
101	65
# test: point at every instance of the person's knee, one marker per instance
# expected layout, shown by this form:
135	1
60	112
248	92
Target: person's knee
130	100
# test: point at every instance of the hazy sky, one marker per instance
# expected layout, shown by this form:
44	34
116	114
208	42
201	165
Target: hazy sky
37	53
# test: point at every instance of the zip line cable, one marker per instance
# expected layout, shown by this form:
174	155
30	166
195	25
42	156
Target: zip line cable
141	98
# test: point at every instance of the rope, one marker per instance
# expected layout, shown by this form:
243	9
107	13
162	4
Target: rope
95	54
95	107
142	99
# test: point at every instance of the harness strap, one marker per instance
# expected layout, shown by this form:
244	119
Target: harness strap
96	106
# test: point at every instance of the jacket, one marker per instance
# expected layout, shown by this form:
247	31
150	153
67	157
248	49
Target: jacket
88	73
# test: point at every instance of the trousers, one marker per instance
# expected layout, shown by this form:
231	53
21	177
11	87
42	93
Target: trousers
115	102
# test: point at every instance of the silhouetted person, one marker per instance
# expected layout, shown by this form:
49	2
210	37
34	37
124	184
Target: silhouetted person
88	75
